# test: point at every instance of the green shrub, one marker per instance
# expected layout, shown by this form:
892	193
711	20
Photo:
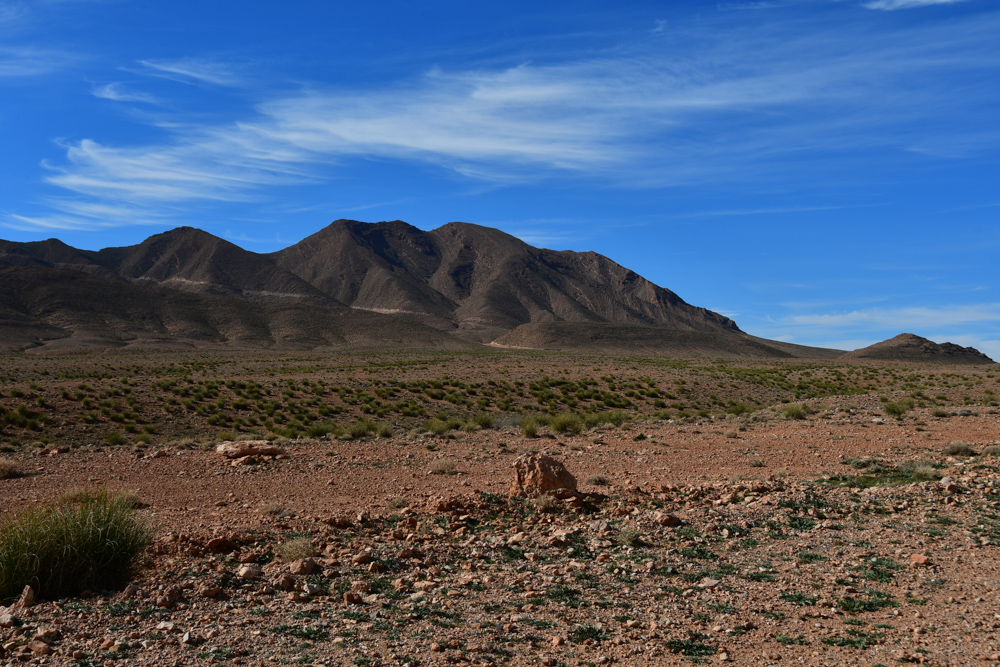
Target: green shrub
796	411
898	409
483	420
63	548
362	428
959	449
115	439
529	426
566	423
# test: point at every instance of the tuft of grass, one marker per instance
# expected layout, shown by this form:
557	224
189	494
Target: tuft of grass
397	503
9	469
63	548
443	467
597	480
956	448
273	508
296	548
115	439
546	503
991	450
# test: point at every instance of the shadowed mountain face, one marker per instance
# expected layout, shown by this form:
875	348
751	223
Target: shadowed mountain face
480	281
910	347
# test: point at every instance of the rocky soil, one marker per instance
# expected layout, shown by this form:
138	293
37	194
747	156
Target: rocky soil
842	537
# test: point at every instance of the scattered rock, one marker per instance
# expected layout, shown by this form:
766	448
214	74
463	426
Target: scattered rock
244	448
249	571
304	566
536	474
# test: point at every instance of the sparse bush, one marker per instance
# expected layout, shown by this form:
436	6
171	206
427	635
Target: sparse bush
597	480
957	448
295	549
991	450
363	428
529	426
796	411
732	433
115	439
63	548
441	426
483	420
397	503
939	413
898	409
384	431
546	503
920	471
8	469
443	467
566	423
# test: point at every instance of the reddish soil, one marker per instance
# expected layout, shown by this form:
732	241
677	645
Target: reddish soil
783	554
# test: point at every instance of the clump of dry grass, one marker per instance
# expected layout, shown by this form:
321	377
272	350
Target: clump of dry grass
546	503
991	450
597	480
397	503
9	468
443	467
273	508
958	448
295	549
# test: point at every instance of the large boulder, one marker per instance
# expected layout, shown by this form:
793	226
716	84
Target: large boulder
537	474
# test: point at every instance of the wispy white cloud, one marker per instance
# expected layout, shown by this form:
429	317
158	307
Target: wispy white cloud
690	107
29	61
117	92
890	5
914	317
188	70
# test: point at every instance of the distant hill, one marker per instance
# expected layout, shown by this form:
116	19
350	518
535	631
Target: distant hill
910	347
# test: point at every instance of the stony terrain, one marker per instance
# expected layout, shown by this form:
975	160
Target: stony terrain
755	515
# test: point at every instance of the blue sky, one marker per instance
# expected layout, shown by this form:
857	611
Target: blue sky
825	172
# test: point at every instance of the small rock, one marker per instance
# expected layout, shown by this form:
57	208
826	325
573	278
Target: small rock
249	571
350	597
39	647
919	559
304	566
26	600
189	639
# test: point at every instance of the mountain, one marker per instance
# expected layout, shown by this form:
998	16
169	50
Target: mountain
480	282
910	347
370	284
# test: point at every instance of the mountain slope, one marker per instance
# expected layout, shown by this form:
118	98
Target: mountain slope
480	281
66	310
195	261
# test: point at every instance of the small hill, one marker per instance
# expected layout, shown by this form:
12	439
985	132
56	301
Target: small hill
910	347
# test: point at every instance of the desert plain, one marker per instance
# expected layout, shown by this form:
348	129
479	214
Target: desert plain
727	511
